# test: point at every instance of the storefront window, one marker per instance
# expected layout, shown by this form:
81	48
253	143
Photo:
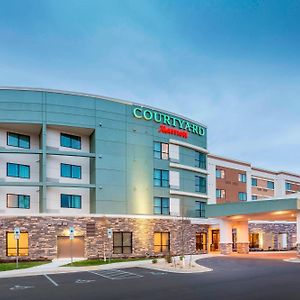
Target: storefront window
11	244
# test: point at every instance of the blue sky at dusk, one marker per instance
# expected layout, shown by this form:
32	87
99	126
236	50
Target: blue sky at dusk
232	65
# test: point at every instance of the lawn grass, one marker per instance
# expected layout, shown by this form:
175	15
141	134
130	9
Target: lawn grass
22	265
97	262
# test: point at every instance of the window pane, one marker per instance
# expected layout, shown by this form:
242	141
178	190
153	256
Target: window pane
165	202
76	172
65	170
157	154
12	170
65	200
64	141
165	183
156	182
165	211
24	171
76	201
127	239
157	249
165	239
24	142
157	174
12	201
117	239
157	146
24	201
157	201
165	175
76	143
126	250
117	250
157	210
157	238
12	140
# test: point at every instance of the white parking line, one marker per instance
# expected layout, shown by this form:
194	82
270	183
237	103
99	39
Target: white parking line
116	274
51	280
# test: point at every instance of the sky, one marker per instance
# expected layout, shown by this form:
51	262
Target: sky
231	65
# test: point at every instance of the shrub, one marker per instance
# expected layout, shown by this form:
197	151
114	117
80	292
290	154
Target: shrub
154	260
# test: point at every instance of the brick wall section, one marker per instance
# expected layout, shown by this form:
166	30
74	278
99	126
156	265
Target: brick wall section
275	228
43	232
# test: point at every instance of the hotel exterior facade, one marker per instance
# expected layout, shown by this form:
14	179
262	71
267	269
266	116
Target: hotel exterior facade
130	179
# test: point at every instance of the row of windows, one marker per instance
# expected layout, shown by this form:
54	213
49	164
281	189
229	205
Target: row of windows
270	184
161	179
23	171
162	207
161	151
221	194
220	174
23	201
23	141
122	243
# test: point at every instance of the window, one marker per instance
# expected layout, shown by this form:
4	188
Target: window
288	186
200	209
242	178
242	196
220	173
270	185
254	197
161	242
200	184
70	201
11	244
70	141
201	241
220	193
161	206
161	150
17	201
122	242
18	140
70	171
161	178
200	160
17	170
254	181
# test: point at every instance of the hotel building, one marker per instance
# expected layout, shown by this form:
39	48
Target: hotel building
131	180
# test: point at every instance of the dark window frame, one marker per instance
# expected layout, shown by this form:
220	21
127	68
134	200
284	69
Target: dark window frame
161	244
71	171
253	180
240	193
200	209
18	195
70	195
18	175
200	188
72	138
122	242
15	247
161	207
165	183
160	152
18	136
200	160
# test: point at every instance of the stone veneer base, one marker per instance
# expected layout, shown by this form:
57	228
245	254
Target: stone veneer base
43	233
225	248
242	248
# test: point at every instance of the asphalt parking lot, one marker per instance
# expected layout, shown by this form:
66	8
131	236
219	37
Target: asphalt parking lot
232	278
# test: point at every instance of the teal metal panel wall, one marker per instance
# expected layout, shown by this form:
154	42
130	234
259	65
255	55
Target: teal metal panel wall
122	169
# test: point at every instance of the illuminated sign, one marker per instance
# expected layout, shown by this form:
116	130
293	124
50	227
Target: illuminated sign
165	119
169	130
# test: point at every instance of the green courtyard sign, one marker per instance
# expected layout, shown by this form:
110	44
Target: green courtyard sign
158	117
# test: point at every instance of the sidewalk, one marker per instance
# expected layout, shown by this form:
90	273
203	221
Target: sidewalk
55	267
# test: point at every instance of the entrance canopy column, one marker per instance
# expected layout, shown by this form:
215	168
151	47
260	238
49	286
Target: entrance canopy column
225	237
242	237
298	233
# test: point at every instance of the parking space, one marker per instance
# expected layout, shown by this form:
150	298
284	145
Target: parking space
115	274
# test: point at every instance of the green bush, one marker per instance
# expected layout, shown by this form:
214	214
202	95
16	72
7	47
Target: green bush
168	258
154	260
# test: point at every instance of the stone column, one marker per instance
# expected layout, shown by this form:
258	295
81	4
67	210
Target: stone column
225	237
298	233
242	237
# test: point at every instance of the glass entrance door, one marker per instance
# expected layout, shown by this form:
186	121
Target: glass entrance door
215	239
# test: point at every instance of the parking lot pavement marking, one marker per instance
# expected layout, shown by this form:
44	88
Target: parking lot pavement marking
115	274
157	273
84	280
51	280
21	287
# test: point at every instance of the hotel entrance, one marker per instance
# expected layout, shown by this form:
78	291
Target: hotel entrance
215	240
